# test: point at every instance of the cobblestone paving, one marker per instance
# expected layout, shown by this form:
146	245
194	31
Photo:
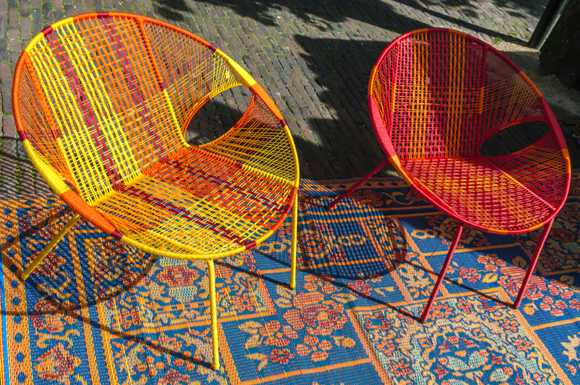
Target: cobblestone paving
313	56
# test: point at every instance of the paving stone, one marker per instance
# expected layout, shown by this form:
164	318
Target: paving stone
9	127
6	83
27	29
13	41
3	24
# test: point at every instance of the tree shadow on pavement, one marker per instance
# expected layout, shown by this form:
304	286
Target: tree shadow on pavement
325	13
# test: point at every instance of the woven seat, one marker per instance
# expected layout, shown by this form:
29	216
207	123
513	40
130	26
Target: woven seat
102	102
484	195
436	97
180	208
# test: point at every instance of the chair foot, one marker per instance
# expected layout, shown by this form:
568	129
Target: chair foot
533	264
442	273
356	185
215	364
294	247
48	248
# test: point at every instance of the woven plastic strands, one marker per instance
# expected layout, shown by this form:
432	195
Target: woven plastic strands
37	121
77	64
442	92
250	177
192	73
105	100
439	95
263	152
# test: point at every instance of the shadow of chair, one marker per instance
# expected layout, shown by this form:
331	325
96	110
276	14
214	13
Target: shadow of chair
85	269
32	215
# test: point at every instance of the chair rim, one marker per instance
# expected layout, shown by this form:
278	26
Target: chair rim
58	184
548	117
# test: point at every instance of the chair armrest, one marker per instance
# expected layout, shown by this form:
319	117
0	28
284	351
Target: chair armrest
51	176
261	140
543	168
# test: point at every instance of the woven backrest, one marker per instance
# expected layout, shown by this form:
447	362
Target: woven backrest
442	93
102	97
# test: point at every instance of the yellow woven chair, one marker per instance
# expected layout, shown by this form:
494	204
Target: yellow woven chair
102	102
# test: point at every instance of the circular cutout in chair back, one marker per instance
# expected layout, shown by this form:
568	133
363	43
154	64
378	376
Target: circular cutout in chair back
218	115
514	138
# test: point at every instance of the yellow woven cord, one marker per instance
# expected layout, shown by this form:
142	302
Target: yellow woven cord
242	75
192	230
89	76
80	151
146	115
260	143
259	137
194	74
172	227
420	101
41	129
172	233
174	120
222	76
456	100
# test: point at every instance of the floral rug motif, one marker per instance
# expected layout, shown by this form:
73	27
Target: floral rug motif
99	312
469	339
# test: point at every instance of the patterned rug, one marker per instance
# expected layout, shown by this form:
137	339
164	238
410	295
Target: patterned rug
97	312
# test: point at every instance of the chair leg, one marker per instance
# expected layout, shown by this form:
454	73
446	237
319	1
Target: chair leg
294	243
214	321
356	185
533	264
442	273
48	248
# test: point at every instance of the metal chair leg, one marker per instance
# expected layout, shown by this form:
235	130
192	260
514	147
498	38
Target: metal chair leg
48	248
356	185
533	263
214	321
442	273
294	243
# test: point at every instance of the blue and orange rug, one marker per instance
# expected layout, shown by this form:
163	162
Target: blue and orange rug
98	312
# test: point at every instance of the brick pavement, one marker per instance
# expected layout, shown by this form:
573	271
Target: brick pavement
313	56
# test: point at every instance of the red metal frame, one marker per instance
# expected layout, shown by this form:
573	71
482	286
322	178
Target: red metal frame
442	273
533	263
359	183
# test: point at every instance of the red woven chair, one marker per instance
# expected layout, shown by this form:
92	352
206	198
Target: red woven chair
435	97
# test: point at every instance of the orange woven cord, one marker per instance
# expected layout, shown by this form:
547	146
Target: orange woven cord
104	99
223	203
37	124
436	96
540	168
480	194
235	193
